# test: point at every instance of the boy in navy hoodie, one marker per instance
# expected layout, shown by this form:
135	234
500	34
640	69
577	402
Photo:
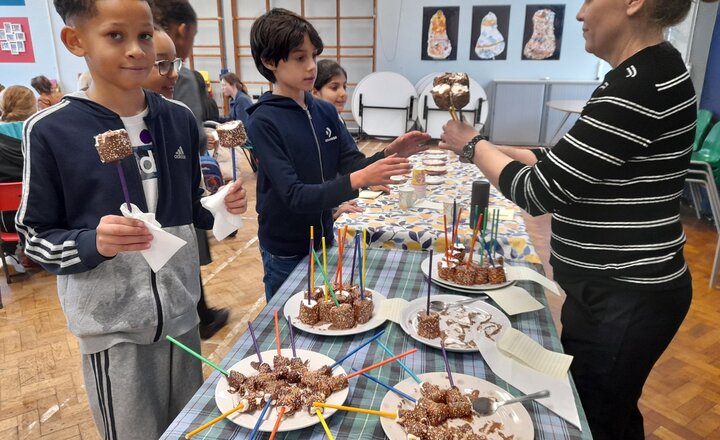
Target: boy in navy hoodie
120	310
308	163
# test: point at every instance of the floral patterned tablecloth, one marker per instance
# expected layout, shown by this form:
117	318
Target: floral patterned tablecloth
420	228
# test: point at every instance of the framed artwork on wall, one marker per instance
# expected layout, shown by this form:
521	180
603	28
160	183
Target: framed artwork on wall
440	33
542	37
489	34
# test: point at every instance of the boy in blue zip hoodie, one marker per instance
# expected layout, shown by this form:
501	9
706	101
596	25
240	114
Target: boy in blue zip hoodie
308	162
120	310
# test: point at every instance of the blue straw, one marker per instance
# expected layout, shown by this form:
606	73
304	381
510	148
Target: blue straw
260	419
355	350
389	387
405	367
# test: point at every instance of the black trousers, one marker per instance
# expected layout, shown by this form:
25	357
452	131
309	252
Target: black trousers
616	335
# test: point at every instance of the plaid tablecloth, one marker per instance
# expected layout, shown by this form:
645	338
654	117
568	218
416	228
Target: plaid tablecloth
420	228
396	274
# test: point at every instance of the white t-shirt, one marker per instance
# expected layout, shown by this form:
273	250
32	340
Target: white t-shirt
142	144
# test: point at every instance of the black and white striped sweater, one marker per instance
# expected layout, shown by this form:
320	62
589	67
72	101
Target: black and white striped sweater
613	182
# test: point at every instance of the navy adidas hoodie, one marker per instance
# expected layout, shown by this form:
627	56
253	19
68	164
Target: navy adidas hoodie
66	190
305	160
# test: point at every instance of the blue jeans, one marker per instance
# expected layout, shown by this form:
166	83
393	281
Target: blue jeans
277	269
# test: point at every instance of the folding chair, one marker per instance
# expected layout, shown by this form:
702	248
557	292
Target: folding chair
702	174
9	201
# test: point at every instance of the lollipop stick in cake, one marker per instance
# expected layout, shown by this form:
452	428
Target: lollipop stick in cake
292	335
192	433
260	419
255	343
277	333
277	423
357	410
447	363
197	355
114	146
327	282
230	135
324	424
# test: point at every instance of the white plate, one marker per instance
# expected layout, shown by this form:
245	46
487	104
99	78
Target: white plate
436	119
409	321
301	419
475	288
384	89
425	80
515	418
292	308
434	180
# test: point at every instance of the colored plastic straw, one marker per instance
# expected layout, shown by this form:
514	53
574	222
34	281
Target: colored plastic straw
309	274
232	149
387	386
401	363
197	355
259	420
457	226
447	251
312	263
327	282
447	364
277	423
277	334
123	184
364	255
380	364
427	311
474	238
324	425
255	344
292	335
356	247
324	254
496	227
213	421
357	410
361	263
356	349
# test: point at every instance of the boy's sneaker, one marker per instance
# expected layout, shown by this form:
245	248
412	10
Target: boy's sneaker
12	261
220	317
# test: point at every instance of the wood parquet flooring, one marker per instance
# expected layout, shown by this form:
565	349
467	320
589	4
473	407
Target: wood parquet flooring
41	387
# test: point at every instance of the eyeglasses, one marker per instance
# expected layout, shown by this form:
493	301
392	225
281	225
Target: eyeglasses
166	66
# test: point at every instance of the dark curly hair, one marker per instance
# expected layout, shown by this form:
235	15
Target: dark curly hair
277	33
169	12
326	70
70	10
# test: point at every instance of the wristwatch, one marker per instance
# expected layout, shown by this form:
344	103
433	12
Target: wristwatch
468	151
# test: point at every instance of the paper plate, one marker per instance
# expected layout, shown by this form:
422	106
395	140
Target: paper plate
436	119
434	180
475	288
384	89
455	322
226	401
292	308
515	419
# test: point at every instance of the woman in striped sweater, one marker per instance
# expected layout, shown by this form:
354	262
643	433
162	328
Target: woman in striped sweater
612	185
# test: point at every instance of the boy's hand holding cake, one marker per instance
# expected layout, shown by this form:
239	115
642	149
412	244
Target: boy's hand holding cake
226	205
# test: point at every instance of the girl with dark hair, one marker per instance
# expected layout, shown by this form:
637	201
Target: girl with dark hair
48	95
233	88
331	84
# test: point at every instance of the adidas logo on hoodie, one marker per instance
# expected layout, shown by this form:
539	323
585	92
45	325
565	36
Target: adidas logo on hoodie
180	154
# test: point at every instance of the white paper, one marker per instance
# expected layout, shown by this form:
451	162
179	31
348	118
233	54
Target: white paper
514	300
522	348
526	273
428	205
367	194
392	309
163	245
528	380
507	214
225	222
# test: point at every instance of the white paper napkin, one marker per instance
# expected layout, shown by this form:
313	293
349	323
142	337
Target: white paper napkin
529	380
514	300
526	273
368	194
164	244
225	222
392	309
521	347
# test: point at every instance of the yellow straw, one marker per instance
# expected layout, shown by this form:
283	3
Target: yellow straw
214	421
324	264
358	410
312	263
364	250
322	421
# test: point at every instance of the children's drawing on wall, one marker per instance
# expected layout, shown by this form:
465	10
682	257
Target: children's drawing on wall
15	40
488	39
439	33
543	32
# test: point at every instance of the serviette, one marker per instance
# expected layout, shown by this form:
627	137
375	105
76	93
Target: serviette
164	244
225	222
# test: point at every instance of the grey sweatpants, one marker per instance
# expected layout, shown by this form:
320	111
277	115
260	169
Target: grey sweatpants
135	391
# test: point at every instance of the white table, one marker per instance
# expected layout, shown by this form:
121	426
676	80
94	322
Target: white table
569	107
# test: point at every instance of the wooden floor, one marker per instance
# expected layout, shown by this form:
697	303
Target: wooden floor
41	387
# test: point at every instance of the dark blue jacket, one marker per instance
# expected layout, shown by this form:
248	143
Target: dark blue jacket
239	106
305	160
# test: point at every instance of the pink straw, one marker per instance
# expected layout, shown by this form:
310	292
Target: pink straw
447	364
257	348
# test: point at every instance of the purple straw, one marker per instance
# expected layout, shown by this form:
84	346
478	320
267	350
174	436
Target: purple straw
292	335
257	349
123	184
309	263
447	364
233	164
356	247
360	263
427	312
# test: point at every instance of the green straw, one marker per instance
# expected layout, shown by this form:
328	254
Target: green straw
192	352
327	283
496	227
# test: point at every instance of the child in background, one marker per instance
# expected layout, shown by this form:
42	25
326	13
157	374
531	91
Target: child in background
308	163
233	88
48	95
69	220
164	75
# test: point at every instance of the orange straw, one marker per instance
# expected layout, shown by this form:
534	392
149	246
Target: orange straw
277	334
447	253
475	232
277	422
380	364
